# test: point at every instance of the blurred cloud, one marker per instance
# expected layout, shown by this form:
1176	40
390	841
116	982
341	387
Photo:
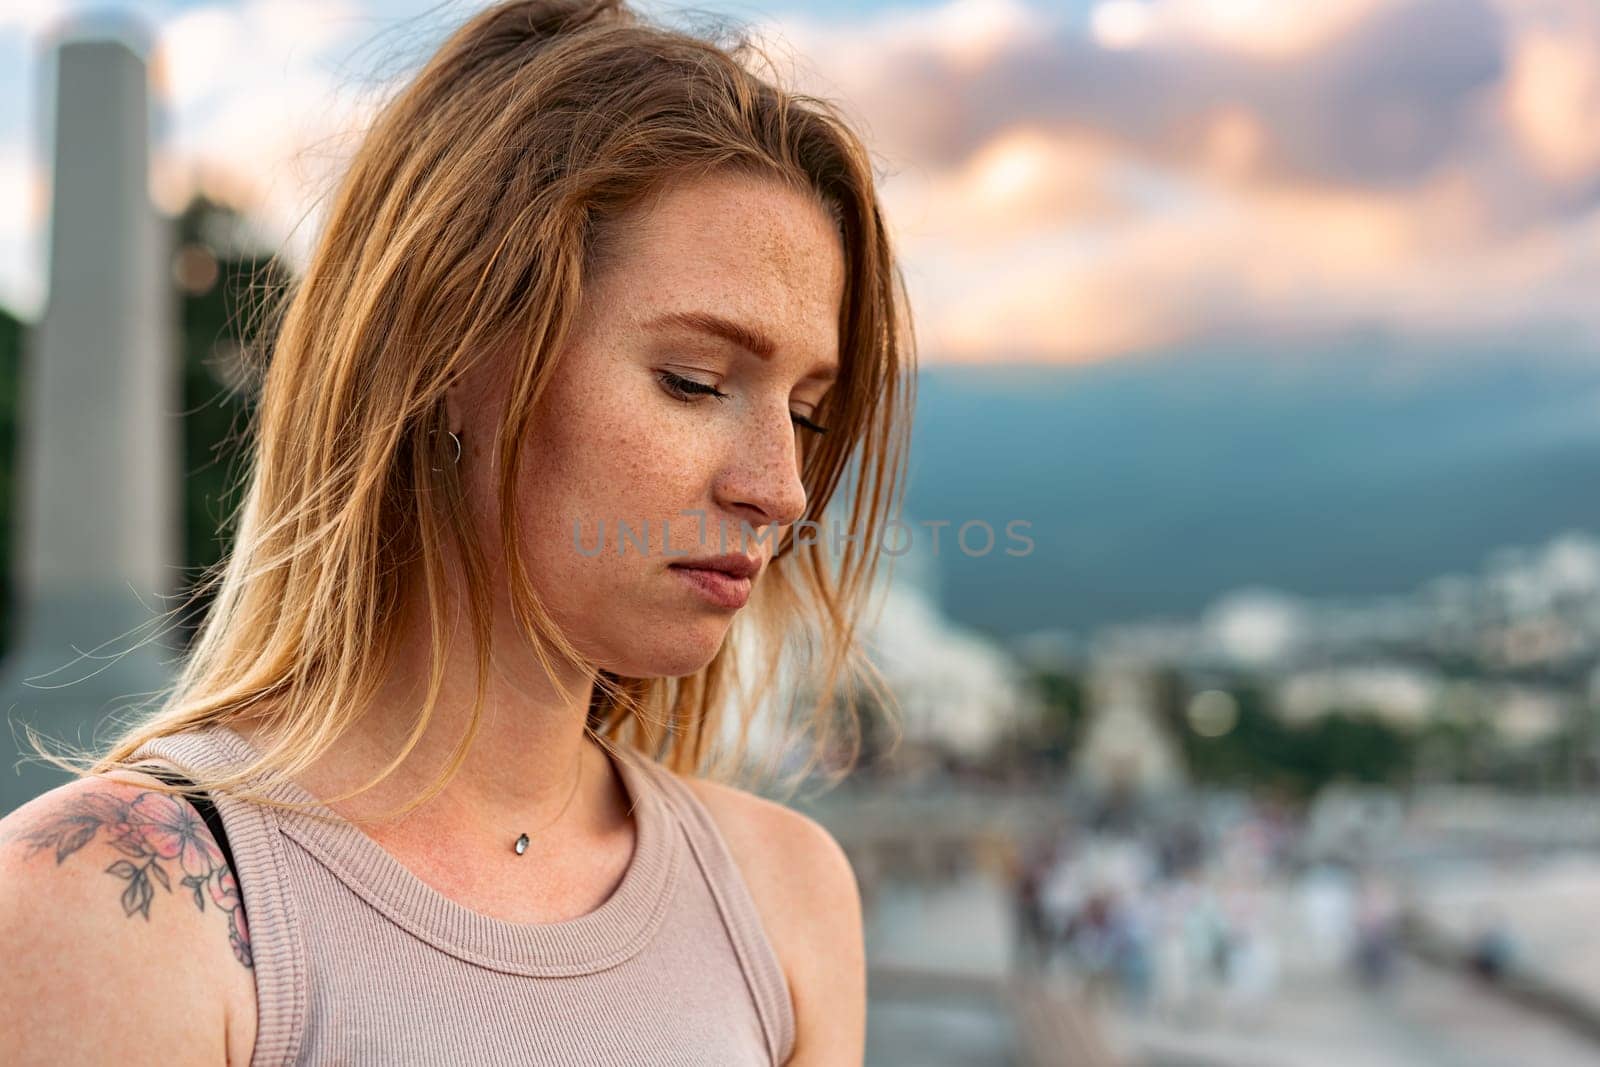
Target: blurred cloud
29	16
23	193
1253	27
1168	169
1553	92
1067	182
1378	103
260	103
262	114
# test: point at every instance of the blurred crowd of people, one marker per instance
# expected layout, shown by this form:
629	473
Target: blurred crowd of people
1199	913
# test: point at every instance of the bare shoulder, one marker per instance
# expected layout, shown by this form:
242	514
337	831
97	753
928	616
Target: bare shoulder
120	919
810	905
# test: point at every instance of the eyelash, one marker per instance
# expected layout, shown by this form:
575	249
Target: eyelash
687	389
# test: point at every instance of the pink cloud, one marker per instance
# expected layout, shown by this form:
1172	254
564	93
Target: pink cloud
1171	169
1077	188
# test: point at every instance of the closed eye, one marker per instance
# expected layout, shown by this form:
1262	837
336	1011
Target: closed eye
687	389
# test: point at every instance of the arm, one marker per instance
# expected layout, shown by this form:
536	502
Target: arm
830	978
810	906
117	916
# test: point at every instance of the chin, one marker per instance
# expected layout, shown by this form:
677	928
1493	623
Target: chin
674	654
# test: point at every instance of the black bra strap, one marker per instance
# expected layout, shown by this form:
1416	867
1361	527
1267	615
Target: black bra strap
207	810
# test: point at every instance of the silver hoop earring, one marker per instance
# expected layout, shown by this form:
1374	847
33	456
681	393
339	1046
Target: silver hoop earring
457	441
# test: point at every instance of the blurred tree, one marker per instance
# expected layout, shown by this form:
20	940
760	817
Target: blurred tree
1261	750
223	280
1052	739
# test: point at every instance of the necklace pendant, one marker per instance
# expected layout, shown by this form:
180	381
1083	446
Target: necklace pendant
522	844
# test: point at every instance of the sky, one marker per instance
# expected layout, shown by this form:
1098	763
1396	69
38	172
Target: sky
1068	182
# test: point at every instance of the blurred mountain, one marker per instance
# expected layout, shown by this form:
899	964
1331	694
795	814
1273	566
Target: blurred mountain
1153	484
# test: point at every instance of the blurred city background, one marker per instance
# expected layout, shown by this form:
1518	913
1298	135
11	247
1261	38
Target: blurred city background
1277	324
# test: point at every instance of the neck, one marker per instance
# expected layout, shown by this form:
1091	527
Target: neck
518	774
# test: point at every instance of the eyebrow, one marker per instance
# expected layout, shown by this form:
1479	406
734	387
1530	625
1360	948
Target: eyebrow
750	338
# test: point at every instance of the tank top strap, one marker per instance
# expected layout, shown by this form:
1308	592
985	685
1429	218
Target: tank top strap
277	956
758	959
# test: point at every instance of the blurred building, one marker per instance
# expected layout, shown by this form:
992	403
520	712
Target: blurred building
1127	750
98	527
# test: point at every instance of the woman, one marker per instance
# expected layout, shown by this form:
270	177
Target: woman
598	321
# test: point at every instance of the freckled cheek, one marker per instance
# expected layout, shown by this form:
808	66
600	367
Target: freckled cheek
636	472
661	457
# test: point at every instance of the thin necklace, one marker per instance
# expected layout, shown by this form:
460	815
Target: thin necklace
522	842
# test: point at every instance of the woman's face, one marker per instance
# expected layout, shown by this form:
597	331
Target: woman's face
622	442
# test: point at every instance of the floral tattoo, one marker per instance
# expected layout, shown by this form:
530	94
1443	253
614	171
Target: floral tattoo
152	829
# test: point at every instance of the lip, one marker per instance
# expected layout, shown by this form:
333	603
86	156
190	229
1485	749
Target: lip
732	564
718	587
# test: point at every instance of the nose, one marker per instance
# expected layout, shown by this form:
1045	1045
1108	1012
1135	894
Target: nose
760	482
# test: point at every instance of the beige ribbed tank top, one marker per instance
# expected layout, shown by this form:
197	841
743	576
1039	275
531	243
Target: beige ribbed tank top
358	961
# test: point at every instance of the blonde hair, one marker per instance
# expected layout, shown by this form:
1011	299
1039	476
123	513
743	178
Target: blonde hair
478	202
